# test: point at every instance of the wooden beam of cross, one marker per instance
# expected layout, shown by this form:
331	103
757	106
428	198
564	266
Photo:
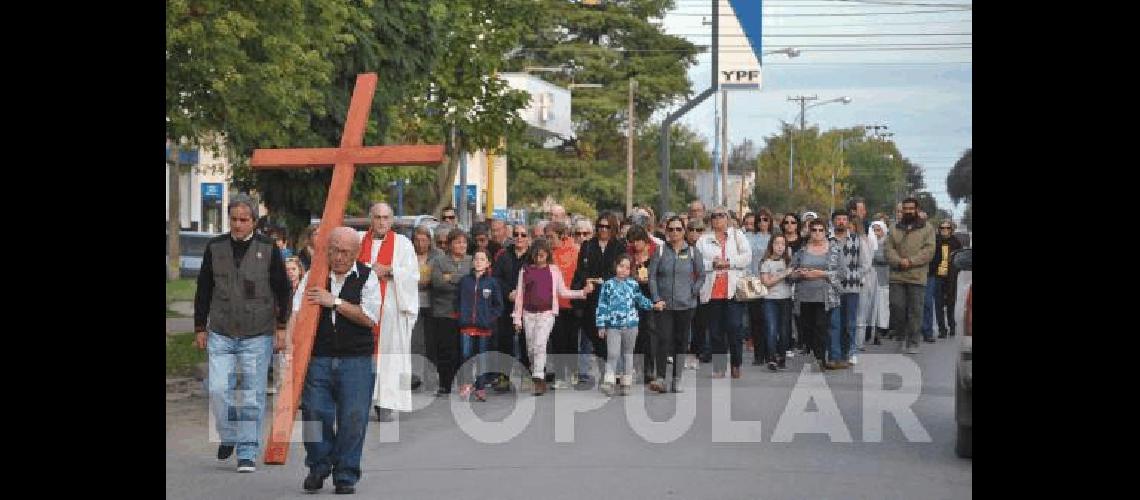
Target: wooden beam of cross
344	160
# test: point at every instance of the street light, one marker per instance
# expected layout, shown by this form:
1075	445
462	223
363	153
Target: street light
788	51
803	114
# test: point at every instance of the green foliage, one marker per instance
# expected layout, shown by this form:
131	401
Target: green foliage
870	167
182	355
960	183
181	289
577	205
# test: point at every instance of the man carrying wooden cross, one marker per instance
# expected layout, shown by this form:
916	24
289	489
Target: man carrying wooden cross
393	258
342	371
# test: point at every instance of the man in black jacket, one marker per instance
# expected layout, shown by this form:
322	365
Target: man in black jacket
506	269
242	287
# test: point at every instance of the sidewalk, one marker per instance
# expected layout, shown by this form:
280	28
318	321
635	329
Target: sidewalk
180	325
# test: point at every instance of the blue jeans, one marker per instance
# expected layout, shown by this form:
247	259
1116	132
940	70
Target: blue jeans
724	319
336	403
471	346
239	367
778	327
844	327
928	308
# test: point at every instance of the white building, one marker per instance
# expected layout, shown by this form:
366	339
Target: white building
548	116
205	190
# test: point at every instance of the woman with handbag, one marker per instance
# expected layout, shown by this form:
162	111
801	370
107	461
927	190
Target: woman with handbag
759	230
727	255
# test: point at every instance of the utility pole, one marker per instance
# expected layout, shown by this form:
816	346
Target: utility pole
791	138
629	151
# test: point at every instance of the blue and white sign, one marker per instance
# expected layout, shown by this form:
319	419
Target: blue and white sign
185	157
470	195
500	214
211	190
739	44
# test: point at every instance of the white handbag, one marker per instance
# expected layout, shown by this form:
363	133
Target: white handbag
750	288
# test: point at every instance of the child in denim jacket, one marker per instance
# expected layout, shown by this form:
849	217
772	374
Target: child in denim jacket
616	319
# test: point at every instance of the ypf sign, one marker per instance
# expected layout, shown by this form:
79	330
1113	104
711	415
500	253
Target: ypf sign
739	44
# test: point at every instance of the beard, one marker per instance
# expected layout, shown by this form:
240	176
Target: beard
910	218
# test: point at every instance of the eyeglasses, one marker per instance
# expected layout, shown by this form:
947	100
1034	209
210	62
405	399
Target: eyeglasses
790	222
765	219
520	235
946	228
676	229
719	215
603	226
819	230
695	228
583	233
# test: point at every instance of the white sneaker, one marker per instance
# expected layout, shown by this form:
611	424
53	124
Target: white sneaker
561	385
669	359
853	360
790	354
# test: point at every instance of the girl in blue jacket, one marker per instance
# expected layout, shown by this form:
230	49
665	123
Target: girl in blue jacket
480	305
617	323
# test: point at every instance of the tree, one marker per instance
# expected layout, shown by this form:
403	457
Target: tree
960	183
742	157
816	159
248	73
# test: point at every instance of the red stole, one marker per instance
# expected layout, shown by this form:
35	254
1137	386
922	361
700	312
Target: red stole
384	256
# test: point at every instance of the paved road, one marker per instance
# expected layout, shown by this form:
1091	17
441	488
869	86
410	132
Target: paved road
434	458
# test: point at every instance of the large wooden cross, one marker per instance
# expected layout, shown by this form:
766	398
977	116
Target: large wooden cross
344	159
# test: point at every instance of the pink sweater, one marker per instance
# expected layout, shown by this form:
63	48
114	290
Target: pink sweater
559	289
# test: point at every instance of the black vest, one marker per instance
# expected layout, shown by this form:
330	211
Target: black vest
242	303
345	338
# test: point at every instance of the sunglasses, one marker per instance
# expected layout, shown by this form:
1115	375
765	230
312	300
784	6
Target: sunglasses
946	228
819	230
583	233
603	226
790	222
520	235
676	229
765	219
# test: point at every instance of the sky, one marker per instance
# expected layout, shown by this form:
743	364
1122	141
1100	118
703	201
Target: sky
917	80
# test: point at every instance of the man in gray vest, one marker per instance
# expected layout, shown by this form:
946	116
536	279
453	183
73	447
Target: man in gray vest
242	286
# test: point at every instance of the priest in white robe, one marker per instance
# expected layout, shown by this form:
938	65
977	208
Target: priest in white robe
393	258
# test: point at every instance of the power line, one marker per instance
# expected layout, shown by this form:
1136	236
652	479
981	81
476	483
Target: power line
832	14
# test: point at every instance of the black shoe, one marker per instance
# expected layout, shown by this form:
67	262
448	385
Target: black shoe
345	489
313	483
246	466
757	362
383	414
706	358
584	384
416	383
877	341
442	393
928	341
772	366
224	451
676	386
782	364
